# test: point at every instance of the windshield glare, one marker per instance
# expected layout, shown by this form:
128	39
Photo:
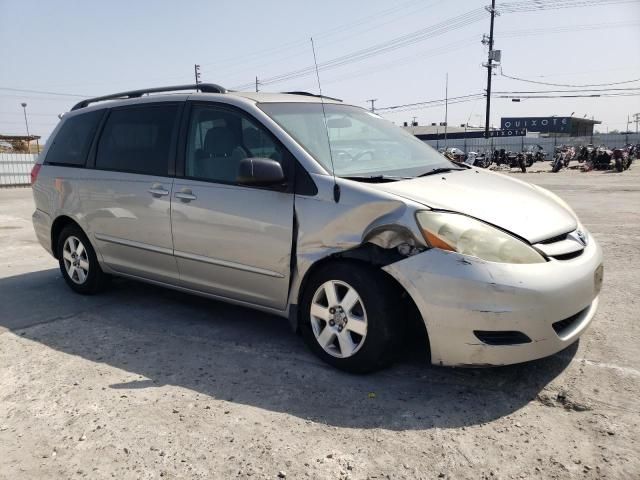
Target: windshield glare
362	143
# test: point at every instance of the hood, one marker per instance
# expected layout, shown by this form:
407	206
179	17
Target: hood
518	207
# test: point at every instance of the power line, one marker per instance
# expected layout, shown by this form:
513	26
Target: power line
40	92
538	5
565	29
572	91
580	95
440	28
429	103
520	79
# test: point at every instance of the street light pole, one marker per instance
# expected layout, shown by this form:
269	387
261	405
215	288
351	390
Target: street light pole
24	108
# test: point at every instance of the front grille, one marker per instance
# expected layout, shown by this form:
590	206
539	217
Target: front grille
555	239
561	247
562	327
501	337
568	256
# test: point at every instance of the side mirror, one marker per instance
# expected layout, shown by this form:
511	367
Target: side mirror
260	172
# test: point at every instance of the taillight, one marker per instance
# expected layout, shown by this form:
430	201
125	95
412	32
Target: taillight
34	172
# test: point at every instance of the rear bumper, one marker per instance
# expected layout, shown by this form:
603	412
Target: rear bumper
457	295
42	226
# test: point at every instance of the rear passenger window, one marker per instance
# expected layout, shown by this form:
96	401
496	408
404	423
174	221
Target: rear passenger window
137	140
71	145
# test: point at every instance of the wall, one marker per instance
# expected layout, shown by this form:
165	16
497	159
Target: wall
15	168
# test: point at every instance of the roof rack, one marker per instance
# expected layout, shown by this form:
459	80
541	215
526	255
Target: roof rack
203	87
309	94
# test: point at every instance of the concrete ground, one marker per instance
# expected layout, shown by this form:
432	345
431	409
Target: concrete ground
141	382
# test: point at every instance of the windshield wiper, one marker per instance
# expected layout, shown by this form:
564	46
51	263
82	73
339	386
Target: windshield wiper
375	178
435	171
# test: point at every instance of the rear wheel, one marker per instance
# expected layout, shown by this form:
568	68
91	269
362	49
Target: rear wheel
352	317
619	166
78	261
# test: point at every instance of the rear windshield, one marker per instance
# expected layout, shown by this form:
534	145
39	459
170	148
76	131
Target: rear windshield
362	143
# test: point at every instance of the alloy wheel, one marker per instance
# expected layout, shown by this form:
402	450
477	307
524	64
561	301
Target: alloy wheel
338	319
76	260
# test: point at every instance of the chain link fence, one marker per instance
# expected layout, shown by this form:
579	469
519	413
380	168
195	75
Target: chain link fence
15	169
517	144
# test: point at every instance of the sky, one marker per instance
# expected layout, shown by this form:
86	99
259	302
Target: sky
85	48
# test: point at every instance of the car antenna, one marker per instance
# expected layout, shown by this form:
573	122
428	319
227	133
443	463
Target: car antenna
336	187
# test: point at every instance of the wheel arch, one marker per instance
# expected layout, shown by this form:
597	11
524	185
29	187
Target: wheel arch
58	226
375	257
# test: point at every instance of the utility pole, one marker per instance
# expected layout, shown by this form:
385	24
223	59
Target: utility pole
373	101
196	72
446	108
489	66
636	118
257	83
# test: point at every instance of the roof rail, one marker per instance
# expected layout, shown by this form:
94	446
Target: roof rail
203	87
309	94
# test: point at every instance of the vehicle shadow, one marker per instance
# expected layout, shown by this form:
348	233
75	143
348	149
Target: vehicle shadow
250	358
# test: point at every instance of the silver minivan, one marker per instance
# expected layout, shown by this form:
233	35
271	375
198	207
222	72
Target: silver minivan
320	212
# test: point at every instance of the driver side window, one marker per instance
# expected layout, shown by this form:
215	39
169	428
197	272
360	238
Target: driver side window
219	139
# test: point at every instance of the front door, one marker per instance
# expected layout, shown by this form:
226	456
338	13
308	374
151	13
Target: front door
231	240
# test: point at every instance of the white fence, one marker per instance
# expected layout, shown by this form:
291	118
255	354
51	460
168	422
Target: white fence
548	143
15	168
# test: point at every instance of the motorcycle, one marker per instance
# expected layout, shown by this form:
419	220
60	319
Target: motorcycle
455	154
478	160
516	160
621	158
602	160
534	154
586	153
558	160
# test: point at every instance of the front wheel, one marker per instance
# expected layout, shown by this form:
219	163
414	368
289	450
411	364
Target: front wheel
352	317
78	262
619	166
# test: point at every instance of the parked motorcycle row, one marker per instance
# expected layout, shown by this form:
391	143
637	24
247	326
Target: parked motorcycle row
511	159
603	158
590	156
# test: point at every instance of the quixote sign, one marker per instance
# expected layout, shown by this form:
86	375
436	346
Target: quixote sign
538	124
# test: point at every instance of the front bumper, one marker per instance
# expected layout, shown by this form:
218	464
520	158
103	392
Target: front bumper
457	295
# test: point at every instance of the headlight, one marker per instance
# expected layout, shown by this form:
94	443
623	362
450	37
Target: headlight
458	233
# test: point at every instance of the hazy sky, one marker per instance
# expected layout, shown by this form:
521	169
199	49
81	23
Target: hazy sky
95	48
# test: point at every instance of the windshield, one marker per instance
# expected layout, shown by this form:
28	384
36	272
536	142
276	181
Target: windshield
362	143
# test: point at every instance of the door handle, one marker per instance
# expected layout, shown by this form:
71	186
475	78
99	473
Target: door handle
185	195
158	191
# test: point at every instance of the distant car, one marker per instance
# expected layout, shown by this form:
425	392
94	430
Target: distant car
317	211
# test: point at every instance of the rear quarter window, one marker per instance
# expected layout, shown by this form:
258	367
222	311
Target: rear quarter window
71	145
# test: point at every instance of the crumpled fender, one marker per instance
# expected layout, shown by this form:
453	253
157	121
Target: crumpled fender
326	227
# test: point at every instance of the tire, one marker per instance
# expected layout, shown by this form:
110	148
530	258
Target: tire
619	166
74	250
557	165
379	303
